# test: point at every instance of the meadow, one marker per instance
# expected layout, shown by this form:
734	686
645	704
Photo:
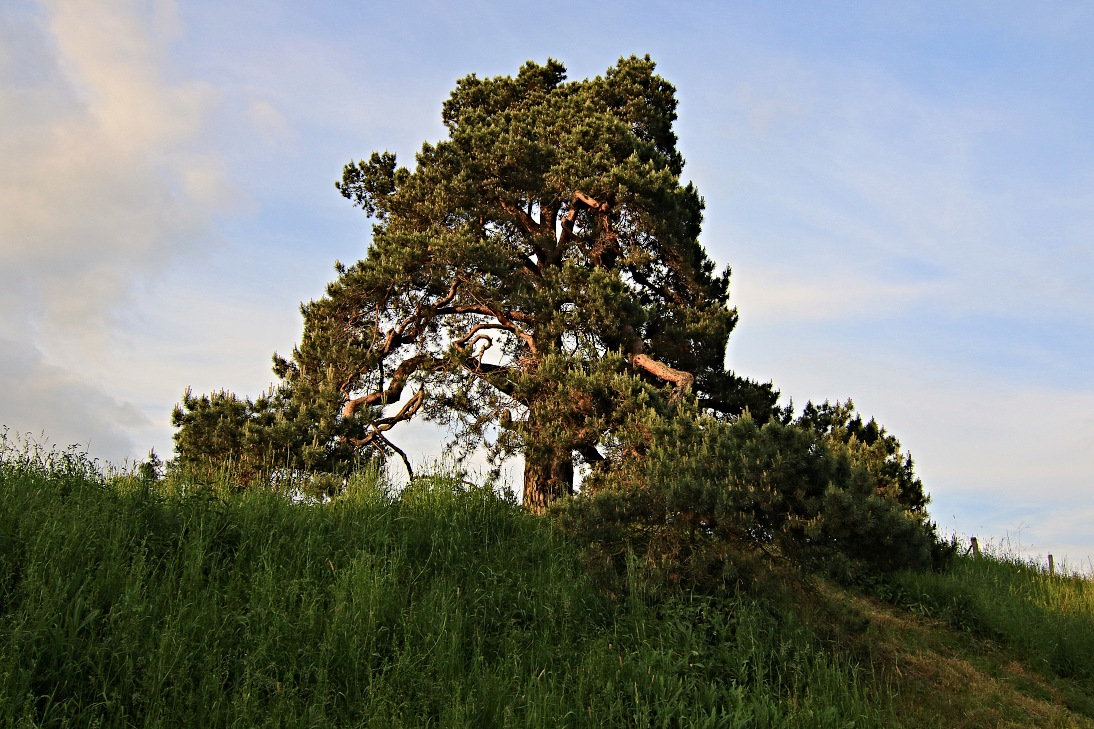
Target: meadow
132	601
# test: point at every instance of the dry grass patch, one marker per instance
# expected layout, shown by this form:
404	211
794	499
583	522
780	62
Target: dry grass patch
942	677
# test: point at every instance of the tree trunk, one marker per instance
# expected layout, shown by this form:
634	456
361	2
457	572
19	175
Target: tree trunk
546	480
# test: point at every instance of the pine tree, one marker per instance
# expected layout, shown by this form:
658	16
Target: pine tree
534	281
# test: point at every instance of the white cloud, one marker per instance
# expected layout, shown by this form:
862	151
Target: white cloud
103	176
785	294
269	122
62	407
106	178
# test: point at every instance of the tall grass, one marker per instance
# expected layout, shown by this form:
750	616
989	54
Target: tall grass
1047	619
129	602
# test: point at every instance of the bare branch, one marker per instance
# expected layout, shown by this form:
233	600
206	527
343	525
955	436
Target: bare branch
406	461
393	392
590	202
406	412
679	378
378	440
448	297
422	313
527	221
462	342
506	320
548	213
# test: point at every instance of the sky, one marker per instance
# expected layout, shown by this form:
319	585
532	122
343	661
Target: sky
904	191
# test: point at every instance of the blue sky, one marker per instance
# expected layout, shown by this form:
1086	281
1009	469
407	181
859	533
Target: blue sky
905	192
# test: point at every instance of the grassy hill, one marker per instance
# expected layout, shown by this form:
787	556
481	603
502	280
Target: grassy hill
128	602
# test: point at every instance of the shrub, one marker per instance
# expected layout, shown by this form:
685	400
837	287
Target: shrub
706	502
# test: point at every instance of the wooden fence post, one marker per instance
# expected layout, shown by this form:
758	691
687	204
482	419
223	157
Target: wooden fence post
1051	566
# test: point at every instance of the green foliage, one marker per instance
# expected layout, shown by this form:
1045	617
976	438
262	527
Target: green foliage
869	446
703	501
224	438
151	469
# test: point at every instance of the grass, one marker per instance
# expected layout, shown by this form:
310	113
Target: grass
127	602
133	602
1047	619
992	641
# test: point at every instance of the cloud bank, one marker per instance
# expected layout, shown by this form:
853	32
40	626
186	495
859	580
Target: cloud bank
105	181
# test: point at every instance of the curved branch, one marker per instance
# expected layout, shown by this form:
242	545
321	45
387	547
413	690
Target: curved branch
463	341
402	455
505	320
527	221
406	412
393	392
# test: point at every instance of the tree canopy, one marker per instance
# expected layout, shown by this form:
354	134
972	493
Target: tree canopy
532	278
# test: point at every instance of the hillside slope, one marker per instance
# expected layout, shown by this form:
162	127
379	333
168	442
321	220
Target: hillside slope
946	668
128	602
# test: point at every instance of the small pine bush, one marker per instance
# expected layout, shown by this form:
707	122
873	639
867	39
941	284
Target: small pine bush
705	502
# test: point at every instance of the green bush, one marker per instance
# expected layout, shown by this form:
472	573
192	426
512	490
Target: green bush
705	502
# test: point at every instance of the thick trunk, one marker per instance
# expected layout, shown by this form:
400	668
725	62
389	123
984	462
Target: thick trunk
546	480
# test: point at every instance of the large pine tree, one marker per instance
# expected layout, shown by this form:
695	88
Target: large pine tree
535	280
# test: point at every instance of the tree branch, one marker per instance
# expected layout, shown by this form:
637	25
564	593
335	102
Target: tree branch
580	201
406	461
377	435
406	412
590	202
378	440
680	379
497	375
393	392
487	310
462	341
505	320
590	454
527	221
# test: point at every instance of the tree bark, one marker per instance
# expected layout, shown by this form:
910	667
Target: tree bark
547	479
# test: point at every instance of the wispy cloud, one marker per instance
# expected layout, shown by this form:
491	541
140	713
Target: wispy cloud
62	407
105	180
